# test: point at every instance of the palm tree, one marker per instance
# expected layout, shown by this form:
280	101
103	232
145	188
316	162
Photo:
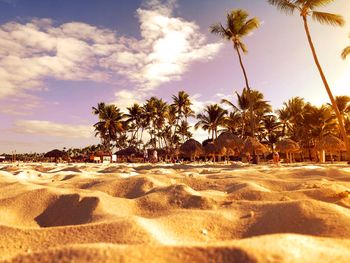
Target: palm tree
307	8
238	26
213	118
182	103
110	123
345	52
271	130
134	119
183	130
259	106
181	106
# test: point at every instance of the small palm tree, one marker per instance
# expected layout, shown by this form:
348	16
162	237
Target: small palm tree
213	118
238	25
184	130
259	106
308	8
345	52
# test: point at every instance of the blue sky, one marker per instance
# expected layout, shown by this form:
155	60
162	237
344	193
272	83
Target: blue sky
60	58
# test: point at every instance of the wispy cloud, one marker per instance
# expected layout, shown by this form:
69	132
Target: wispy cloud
39	50
48	128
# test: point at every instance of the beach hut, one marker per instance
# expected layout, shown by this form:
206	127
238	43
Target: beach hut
331	144
101	157
253	147
288	146
191	148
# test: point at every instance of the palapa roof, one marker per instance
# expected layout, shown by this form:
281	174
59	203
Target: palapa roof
127	151
287	145
229	141
210	148
54	154
192	147
252	145
331	143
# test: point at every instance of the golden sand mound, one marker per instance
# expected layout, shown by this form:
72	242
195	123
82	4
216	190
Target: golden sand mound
180	213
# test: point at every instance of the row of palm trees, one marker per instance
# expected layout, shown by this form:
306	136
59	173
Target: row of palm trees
166	124
239	25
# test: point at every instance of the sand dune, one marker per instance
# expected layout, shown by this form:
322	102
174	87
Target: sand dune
174	213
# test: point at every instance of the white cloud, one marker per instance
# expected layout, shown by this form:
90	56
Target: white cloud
38	50
49	128
167	47
126	98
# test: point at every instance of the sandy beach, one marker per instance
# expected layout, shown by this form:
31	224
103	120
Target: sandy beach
174	213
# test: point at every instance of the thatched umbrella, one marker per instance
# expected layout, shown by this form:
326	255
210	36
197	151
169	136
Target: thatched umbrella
191	148
254	147
331	144
210	149
229	141
288	146
127	151
54	154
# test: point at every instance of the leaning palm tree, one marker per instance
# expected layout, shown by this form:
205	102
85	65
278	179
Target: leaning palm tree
345	52
238	26
307	8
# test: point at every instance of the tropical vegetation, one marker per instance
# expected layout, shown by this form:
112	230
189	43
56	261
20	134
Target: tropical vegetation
306	9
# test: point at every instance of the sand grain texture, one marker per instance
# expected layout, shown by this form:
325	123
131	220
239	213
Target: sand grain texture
174	213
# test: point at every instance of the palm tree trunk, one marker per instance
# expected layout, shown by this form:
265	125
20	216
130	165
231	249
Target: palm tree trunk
323	77
249	92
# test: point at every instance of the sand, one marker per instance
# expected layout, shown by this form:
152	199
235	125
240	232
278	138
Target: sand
174	213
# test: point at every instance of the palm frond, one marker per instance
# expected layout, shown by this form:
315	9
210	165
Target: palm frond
345	52
311	4
249	26
243	47
285	6
218	29
328	18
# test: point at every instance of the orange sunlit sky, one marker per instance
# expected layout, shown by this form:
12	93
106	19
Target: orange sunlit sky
60	58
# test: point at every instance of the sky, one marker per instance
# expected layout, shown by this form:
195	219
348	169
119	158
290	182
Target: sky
60	58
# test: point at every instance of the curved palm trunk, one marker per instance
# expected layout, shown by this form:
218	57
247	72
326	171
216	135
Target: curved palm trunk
323	77
249	91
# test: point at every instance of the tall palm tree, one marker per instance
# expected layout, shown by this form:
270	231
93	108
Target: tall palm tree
213	118
238	25
182	103
307	8
345	52
182	107
134	118
110	124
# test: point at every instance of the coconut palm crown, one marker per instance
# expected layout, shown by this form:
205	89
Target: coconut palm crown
307	8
